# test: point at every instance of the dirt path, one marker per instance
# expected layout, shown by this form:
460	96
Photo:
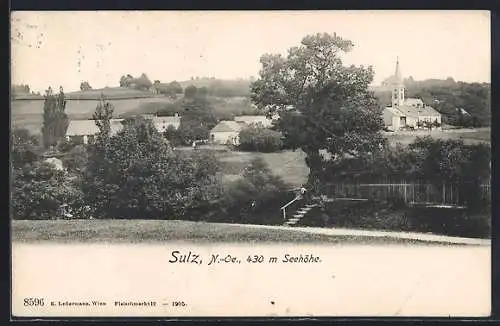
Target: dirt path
367	233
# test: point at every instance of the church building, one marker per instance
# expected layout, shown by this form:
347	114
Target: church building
407	113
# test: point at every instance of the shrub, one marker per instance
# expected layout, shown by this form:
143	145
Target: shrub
451	221
136	175
256	198
39	190
260	139
25	148
426	160
76	159
368	214
394	216
66	146
174	136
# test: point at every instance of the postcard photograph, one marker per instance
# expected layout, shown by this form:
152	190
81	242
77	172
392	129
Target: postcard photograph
250	163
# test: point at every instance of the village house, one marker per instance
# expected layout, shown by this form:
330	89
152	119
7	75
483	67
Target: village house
84	131
163	123
409	113
227	132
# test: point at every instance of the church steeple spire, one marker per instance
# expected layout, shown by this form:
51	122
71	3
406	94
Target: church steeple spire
397	73
398	91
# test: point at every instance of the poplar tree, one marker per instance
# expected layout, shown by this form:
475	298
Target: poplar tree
55	119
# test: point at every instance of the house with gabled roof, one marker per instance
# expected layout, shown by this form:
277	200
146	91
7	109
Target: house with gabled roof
227	132
84	131
164	122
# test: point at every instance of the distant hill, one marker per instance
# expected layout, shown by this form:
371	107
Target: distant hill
112	93
224	108
221	87
116	93
23	91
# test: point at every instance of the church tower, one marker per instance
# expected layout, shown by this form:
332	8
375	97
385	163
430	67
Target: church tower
398	88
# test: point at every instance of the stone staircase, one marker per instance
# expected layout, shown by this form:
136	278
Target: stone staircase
299	214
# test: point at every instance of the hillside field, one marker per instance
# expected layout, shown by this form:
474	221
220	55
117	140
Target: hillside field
29	113
223	107
289	165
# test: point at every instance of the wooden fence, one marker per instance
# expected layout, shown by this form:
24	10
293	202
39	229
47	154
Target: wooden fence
446	194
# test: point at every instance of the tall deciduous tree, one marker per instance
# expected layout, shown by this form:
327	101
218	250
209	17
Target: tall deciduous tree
143	82
85	86
260	139
197	119
126	80
176	87
321	104
97	151
190	91
55	119
102	116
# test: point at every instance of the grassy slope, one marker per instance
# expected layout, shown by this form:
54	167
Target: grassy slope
289	165
148	231
223	107
110	93
469	137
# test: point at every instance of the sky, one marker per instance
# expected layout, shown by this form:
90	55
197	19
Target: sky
64	48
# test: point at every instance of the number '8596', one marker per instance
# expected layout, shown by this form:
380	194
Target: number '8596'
30	302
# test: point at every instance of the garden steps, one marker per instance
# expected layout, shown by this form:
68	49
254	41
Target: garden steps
299	214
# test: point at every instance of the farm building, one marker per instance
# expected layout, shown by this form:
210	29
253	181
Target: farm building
83	131
409	112
254	119
162	123
227	132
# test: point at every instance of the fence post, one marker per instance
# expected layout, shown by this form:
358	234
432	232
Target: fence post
444	193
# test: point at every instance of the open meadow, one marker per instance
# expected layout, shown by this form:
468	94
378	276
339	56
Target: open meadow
289	165
469	136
